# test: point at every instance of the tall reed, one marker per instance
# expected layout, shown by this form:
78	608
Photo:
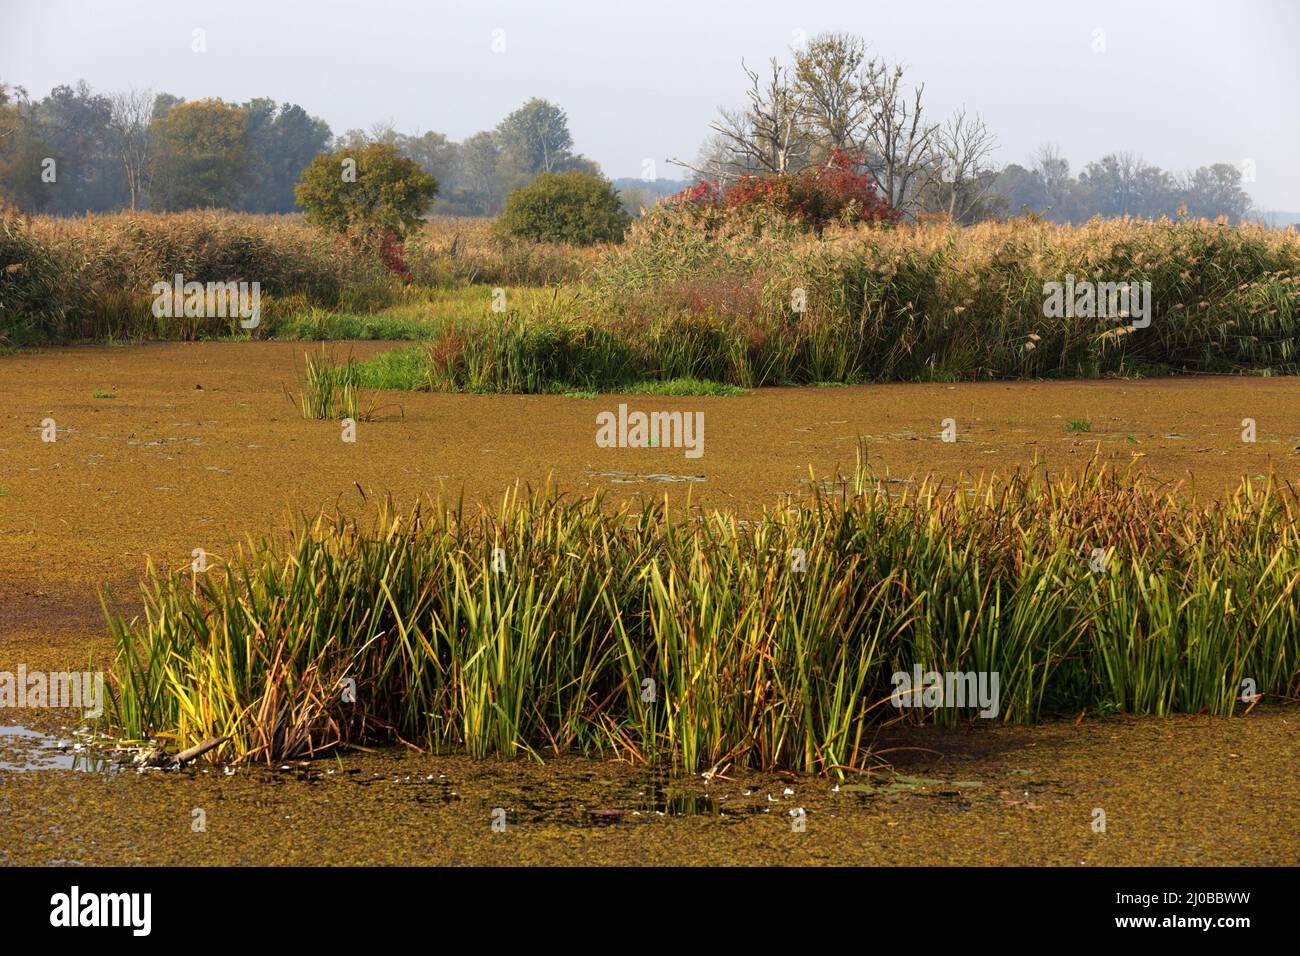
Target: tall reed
550	625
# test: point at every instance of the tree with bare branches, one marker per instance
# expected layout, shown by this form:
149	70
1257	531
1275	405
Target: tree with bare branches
899	139
767	136
128	126
827	78
961	148
1055	172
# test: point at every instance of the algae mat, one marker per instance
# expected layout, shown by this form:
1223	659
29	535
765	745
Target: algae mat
165	448
1176	791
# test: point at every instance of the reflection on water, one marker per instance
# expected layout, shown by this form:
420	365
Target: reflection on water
23	749
660	795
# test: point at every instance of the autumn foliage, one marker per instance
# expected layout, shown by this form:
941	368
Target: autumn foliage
837	191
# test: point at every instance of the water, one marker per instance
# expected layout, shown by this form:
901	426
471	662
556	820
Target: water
23	749
629	478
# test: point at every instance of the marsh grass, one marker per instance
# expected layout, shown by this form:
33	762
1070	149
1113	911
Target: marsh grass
923	303
913	303
550	644
465	250
942	303
90	278
687	386
329	388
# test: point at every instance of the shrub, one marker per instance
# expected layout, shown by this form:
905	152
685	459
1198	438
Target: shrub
365	192
566	207
839	191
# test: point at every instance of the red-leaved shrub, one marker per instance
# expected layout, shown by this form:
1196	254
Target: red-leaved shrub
839	190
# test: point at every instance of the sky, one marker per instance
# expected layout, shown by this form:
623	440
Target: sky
1183	83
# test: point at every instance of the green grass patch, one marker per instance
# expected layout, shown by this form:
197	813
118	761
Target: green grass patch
405	368
423	315
686	386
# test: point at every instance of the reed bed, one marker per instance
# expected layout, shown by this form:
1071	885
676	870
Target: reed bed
475	251
551	625
767	306
743	303
106	266
91	277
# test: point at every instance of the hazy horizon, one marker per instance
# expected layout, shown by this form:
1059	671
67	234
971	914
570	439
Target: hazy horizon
1182	84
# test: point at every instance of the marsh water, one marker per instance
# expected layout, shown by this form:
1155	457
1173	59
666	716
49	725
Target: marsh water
26	749
166	466
1180	790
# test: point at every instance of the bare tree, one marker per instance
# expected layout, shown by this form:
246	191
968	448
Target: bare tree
1055	172
833	97
384	131
715	161
961	148
129	121
765	137
1129	167
827	77
898	138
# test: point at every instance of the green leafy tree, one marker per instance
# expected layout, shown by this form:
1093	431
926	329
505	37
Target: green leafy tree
73	122
21	154
1213	191
433	151
535	138
477	187
281	141
574	207
200	156
367	191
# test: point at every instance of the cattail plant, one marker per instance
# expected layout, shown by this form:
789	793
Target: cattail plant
550	625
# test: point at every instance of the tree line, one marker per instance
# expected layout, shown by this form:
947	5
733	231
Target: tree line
78	150
833	96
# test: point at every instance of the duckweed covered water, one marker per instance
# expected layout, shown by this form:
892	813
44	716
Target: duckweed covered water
1180	790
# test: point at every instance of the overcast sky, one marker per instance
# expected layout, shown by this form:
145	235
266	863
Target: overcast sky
1184	83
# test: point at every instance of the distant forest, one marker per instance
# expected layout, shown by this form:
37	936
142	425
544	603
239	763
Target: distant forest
78	150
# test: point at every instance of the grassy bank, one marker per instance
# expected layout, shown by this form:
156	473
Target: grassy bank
551	626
